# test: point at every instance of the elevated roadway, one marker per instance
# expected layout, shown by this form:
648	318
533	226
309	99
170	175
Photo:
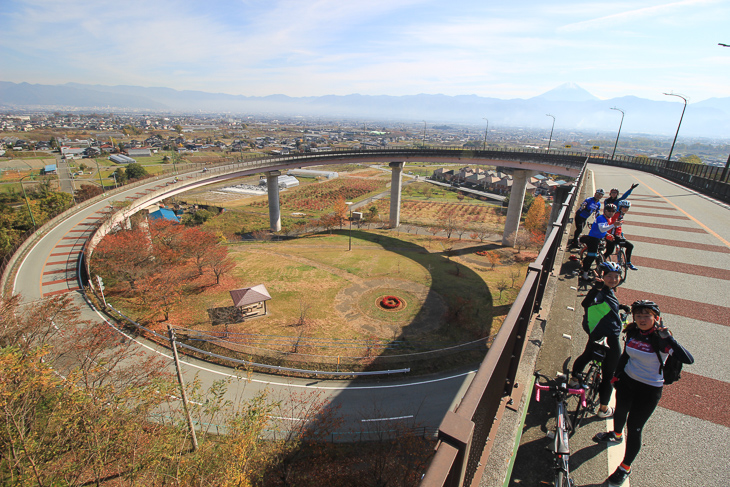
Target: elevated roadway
682	249
50	266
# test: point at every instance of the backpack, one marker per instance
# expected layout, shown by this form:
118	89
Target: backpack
672	367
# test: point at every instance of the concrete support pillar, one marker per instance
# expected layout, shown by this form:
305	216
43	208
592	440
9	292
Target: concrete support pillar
272	186
561	193
395	192
514	211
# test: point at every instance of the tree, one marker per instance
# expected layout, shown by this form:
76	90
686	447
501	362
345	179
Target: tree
341	210
536	219
691	159
219	262
135	170
87	191
121	175
502	286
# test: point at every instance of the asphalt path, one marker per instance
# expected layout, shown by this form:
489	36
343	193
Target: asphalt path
51	268
682	249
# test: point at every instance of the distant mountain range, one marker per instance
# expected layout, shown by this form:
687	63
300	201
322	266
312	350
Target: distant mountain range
573	107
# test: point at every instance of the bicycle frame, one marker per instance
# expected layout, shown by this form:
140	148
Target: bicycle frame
561	445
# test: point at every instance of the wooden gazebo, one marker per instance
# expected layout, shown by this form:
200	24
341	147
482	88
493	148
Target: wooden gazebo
251	300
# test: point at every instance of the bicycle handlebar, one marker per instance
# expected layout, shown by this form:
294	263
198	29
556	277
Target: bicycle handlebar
577	392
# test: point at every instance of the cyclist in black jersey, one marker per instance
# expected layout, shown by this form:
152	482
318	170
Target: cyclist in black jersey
613	197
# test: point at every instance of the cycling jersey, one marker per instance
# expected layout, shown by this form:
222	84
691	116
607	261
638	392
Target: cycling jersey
616	231
615	201
590	205
600	227
601	317
640	362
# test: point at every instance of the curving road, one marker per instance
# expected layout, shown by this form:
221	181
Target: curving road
50	268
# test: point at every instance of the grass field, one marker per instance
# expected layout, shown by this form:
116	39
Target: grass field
321	290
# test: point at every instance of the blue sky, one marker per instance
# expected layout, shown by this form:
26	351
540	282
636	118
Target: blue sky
377	47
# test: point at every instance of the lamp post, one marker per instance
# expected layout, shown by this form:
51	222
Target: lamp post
115	180
678	125
551	131
349	206
484	146
27	203
424	134
619	131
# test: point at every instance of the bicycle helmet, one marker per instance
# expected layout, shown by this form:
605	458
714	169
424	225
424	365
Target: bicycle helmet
644	304
614	190
610	267
610	207
625	203
600	191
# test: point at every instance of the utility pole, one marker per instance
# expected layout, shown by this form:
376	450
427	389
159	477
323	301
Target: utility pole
182	387
484	145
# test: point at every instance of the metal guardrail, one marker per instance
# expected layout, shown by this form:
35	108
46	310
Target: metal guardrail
464	432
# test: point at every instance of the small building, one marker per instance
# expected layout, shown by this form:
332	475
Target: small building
142	152
164	214
50	169
121	159
251	300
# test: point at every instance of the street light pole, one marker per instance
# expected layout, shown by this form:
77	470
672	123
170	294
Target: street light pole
349	244
484	146
424	134
619	131
678	125
27	203
551	131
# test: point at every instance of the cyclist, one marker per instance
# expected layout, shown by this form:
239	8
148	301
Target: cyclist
613	195
601	319
589	206
639	381
615	236
600	227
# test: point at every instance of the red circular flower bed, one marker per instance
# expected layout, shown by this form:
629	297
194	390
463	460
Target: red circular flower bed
391	302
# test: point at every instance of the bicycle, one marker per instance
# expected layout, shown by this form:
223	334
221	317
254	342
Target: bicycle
596	266
590	384
563	428
620	260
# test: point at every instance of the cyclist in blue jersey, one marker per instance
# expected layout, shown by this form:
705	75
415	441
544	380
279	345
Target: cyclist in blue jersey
590	206
601	319
618	237
598	232
613	197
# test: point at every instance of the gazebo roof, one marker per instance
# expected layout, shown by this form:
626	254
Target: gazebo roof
249	295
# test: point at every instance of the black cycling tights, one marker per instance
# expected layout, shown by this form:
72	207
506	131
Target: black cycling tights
637	401
608	365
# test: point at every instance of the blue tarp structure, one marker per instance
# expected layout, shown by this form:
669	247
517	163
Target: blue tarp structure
164	213
50	169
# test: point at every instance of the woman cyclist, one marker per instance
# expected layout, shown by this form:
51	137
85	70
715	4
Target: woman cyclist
617	236
601	319
639	381
613	197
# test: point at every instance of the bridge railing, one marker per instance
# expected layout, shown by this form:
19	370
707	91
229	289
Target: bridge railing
465	433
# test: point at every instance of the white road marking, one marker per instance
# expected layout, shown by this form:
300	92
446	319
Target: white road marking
387	419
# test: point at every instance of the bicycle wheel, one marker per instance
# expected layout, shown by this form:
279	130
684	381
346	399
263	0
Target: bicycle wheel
562	480
621	259
591	382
